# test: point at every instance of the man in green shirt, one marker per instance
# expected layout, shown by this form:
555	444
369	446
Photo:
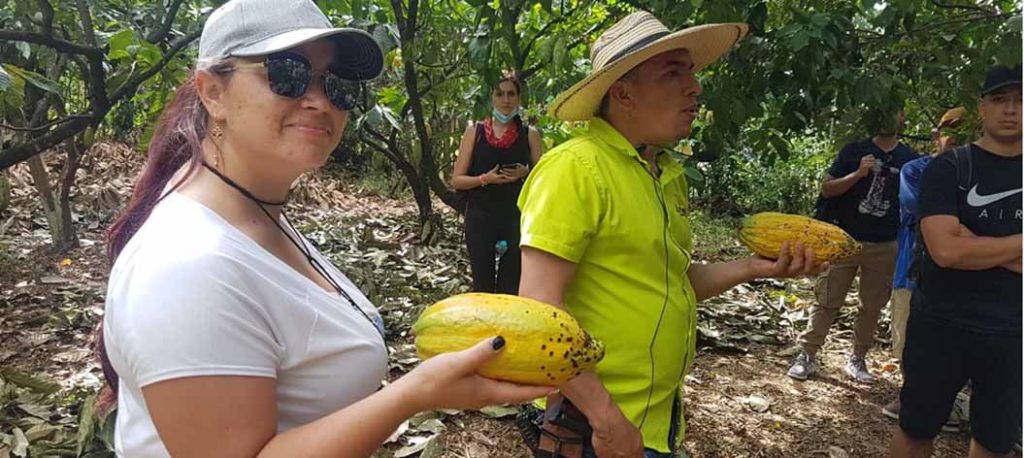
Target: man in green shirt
606	233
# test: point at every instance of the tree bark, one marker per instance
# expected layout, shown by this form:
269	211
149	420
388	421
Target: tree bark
5	191
41	181
67	238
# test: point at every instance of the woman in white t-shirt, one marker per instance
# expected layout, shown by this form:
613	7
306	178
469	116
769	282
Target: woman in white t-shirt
226	333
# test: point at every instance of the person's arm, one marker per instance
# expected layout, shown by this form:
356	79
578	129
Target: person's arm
910	176
1013	266
536	146
709	280
218	416
460	180
545	278
951	248
833	186
950	244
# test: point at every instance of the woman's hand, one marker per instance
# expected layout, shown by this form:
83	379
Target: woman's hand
496	176
516	172
450	381
800	263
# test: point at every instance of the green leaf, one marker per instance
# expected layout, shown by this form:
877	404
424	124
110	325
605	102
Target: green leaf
799	40
37	383
5	79
738	111
87	421
35	79
559	52
780	146
14	97
479	48
119	44
1014	23
20	443
545	48
499	411
830	39
24	49
694	177
149	53
358	12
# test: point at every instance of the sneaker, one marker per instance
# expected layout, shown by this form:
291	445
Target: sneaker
858	369
959	415
803	366
892	409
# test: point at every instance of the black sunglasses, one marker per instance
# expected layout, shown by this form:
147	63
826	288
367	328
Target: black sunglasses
291	74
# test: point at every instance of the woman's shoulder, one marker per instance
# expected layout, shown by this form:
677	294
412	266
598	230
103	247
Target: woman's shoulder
182	235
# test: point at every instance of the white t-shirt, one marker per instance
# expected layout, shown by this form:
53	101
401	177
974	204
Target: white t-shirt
191	295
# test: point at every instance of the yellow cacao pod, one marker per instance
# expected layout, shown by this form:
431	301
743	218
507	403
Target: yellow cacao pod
544	345
765	232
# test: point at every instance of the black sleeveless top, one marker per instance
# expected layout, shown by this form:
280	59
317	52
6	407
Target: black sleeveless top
498	197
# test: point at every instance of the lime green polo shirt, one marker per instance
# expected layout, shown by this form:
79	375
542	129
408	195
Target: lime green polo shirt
592	201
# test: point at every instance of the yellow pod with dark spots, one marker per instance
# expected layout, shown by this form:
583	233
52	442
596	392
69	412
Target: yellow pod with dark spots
765	232
544	345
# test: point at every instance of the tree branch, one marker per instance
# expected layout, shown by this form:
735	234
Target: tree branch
49	41
87	30
19	153
97	80
963	7
399	18
161	33
129	88
981	17
47	11
529	44
46	126
569	47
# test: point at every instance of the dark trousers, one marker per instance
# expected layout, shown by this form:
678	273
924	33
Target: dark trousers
938	359
484	228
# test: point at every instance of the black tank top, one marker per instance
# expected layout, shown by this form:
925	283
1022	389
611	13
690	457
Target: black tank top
499	198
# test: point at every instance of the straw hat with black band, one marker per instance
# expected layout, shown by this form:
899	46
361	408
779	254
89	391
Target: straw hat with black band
630	42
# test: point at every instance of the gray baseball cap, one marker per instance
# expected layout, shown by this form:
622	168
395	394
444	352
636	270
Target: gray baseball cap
246	28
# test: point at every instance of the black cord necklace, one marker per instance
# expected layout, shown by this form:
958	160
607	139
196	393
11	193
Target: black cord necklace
239	188
306	252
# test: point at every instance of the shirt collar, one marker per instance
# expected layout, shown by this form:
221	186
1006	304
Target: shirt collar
606	133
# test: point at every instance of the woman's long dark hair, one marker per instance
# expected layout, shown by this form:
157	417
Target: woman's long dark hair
177	142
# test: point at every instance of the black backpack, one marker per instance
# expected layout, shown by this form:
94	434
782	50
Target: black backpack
964	167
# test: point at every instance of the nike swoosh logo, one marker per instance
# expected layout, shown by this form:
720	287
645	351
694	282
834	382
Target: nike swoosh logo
977	200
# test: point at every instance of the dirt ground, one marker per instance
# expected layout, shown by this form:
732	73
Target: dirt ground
828	416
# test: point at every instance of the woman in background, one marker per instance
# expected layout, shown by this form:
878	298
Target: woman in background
495	156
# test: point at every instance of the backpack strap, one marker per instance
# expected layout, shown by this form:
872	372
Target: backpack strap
962	156
964	165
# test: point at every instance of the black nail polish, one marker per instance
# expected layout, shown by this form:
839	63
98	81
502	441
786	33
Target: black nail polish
498	343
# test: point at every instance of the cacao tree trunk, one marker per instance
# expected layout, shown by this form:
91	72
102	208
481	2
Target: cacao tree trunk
5	191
